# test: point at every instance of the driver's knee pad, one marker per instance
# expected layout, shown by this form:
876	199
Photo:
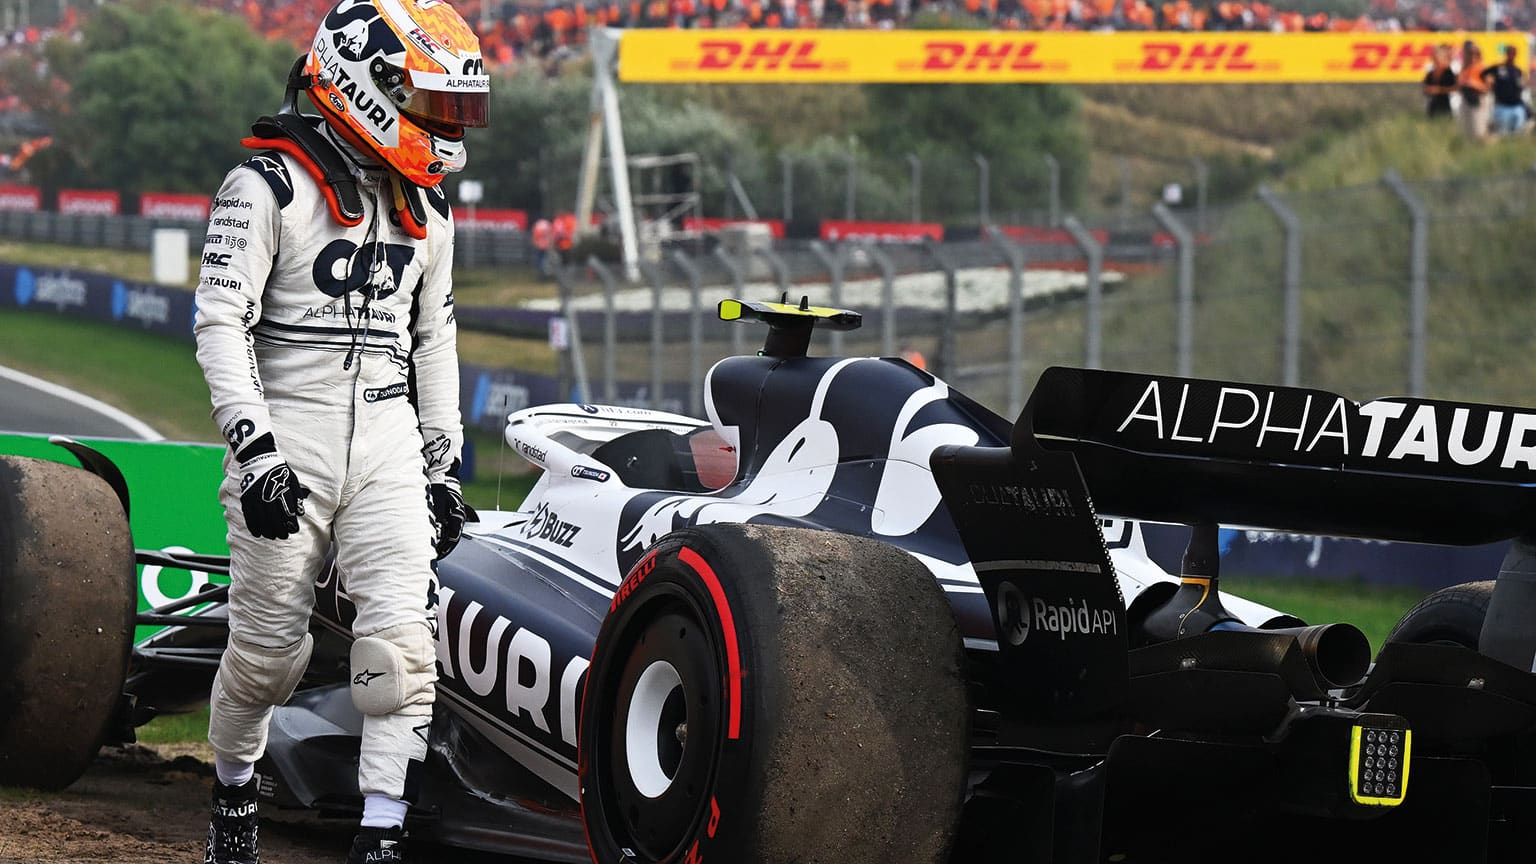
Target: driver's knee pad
394	668
255	675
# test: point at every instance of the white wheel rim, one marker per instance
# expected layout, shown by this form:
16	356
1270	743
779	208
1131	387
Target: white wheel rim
642	731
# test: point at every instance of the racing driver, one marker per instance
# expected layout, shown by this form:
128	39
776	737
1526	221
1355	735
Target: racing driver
325	330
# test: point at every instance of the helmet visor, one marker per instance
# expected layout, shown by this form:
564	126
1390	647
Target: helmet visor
460	100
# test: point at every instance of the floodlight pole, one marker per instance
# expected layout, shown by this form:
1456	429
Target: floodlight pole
606	123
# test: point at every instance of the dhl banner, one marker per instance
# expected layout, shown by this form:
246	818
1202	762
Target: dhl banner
923	56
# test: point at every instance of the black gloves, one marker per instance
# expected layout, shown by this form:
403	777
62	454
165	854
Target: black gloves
271	497
446	501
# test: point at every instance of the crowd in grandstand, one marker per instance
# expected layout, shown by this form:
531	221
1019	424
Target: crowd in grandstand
512	29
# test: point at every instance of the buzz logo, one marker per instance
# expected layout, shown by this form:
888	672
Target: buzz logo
119	300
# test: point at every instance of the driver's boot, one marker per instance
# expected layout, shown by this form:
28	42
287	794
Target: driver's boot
232	828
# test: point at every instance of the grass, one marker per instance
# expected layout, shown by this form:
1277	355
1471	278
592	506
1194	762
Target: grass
1375	609
175	728
127	263
153	378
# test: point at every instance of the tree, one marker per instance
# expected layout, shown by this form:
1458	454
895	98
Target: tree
155	97
1014	126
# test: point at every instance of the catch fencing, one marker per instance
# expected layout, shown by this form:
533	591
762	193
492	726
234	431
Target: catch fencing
1384	288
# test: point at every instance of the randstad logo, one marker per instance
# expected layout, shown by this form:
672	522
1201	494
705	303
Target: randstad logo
119	300
26	286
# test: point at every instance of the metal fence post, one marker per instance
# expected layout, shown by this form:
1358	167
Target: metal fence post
1202	186
695	332
916	165
833	260
1186	290
787	186
776	263
851	192
730	186
1093	325
1125	191
1290	350
887	298
1418	283
947	363
983	189
738	290
1013	256
1053	169
652	274
610	329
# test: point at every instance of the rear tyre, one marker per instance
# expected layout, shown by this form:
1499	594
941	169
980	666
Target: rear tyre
67	604
775	694
1450	616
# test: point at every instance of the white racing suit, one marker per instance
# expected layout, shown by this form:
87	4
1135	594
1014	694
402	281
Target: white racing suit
340	342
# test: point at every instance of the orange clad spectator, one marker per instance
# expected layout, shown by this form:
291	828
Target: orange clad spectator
564	226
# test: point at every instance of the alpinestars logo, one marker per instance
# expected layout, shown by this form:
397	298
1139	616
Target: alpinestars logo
362	678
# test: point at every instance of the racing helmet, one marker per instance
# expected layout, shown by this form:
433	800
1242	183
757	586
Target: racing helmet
400	79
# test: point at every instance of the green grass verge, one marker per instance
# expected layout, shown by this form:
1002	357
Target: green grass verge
151	377
1375	609
175	728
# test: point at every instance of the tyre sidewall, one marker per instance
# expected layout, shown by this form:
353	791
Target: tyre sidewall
686	563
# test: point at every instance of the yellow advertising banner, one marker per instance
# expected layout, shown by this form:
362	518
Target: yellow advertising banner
999	57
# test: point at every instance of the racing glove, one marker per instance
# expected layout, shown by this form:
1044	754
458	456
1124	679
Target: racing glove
271	497
446	501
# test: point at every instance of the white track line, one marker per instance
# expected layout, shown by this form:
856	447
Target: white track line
117	415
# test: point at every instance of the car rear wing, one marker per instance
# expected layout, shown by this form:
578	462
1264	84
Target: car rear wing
1193	451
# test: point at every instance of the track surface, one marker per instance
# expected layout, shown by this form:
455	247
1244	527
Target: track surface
138	805
36	406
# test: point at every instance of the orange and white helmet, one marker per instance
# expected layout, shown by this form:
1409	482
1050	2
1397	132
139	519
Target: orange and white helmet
400	79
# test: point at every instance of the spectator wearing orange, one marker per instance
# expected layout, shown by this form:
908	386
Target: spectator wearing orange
1475	103
543	238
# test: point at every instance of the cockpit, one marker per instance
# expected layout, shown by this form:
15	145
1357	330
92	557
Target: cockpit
643	449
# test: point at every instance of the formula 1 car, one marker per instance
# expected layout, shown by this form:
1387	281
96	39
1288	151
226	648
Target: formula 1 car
855	617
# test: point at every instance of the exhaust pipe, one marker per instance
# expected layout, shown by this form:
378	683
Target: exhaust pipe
1338	654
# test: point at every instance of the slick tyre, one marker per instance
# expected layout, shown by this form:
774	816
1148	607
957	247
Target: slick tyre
67	603
1450	616
765	694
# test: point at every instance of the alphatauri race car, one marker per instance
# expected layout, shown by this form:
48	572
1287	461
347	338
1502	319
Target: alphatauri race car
854	617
